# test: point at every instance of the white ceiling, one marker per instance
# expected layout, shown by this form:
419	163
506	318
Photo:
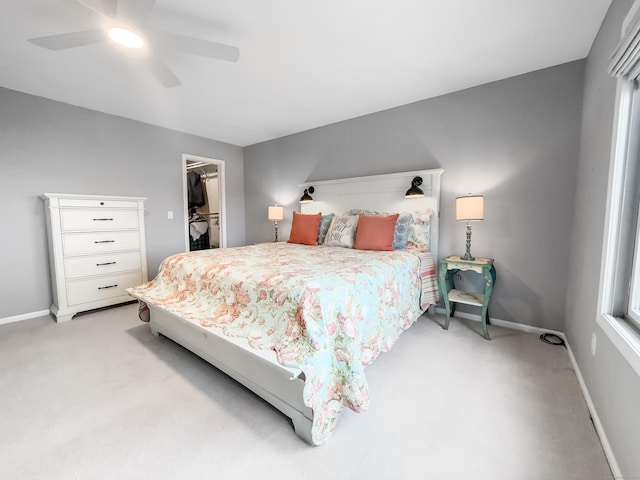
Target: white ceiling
302	64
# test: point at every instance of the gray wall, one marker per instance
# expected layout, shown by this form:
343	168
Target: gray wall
47	146
515	141
613	384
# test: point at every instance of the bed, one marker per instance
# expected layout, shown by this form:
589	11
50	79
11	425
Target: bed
298	324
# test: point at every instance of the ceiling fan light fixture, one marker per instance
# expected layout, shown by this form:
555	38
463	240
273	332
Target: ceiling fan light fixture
125	37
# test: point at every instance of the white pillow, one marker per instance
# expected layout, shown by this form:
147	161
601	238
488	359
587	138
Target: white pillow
342	231
420	230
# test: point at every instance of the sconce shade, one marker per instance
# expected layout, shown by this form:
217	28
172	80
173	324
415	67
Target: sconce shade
275	212
306	198
415	190
470	208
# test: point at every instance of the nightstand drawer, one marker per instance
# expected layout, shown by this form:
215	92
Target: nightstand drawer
101	288
92	220
81	243
76	267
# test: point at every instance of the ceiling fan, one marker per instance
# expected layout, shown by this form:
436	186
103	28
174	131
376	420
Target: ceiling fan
125	26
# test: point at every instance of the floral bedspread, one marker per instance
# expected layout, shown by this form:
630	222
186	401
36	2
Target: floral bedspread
326	310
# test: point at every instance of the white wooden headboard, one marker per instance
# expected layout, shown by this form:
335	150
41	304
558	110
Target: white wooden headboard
384	193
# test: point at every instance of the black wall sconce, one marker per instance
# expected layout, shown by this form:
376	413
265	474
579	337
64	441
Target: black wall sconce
415	190
306	198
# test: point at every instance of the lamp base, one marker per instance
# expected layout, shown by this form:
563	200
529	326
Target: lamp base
275	228
467	255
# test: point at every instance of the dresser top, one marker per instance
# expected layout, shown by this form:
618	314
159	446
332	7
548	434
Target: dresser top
91	197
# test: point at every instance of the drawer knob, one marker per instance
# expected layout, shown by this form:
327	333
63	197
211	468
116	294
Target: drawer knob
104	241
108	286
102	219
106	263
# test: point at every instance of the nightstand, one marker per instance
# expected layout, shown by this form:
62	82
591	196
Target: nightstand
452	296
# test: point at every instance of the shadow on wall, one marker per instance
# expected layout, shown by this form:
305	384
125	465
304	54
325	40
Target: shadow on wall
517	301
524	216
39	213
512	299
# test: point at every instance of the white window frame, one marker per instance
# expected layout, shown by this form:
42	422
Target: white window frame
633	309
612	316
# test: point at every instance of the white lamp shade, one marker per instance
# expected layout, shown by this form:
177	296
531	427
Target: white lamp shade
276	212
470	207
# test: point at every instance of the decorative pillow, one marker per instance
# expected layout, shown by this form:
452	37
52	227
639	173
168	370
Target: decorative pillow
420	230
325	222
360	211
304	229
342	231
375	232
401	231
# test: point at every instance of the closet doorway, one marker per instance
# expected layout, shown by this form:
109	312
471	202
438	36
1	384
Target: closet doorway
204	203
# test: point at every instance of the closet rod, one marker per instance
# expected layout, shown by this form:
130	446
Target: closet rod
196	165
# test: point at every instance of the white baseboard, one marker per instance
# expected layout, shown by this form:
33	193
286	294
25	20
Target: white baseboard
24	316
504	323
606	446
604	441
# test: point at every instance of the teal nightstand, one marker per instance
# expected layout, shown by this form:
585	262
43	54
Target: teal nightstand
446	274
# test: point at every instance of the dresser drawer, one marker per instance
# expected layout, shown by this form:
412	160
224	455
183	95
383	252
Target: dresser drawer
71	219
96	203
102	264
83	243
101	288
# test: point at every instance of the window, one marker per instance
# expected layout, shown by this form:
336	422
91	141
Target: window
623	198
619	302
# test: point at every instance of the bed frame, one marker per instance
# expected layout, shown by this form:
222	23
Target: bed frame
259	370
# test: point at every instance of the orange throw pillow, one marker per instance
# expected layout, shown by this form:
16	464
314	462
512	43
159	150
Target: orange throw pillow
304	229
375	232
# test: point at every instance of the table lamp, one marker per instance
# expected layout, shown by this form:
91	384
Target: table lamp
274	214
469	208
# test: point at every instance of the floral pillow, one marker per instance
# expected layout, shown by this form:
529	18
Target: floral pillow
402	228
420	230
325	222
342	231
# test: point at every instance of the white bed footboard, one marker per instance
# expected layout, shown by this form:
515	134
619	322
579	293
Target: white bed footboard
280	386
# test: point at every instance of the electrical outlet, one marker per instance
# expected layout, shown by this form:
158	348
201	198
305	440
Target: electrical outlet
170	215
593	344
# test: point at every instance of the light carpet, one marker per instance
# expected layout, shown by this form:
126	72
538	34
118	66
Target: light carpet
101	398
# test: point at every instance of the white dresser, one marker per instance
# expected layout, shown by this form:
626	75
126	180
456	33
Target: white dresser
96	250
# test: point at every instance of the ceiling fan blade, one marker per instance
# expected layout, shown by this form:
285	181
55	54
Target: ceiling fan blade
162	72
197	46
69	40
136	11
108	8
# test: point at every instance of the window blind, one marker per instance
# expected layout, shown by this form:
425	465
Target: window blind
625	61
